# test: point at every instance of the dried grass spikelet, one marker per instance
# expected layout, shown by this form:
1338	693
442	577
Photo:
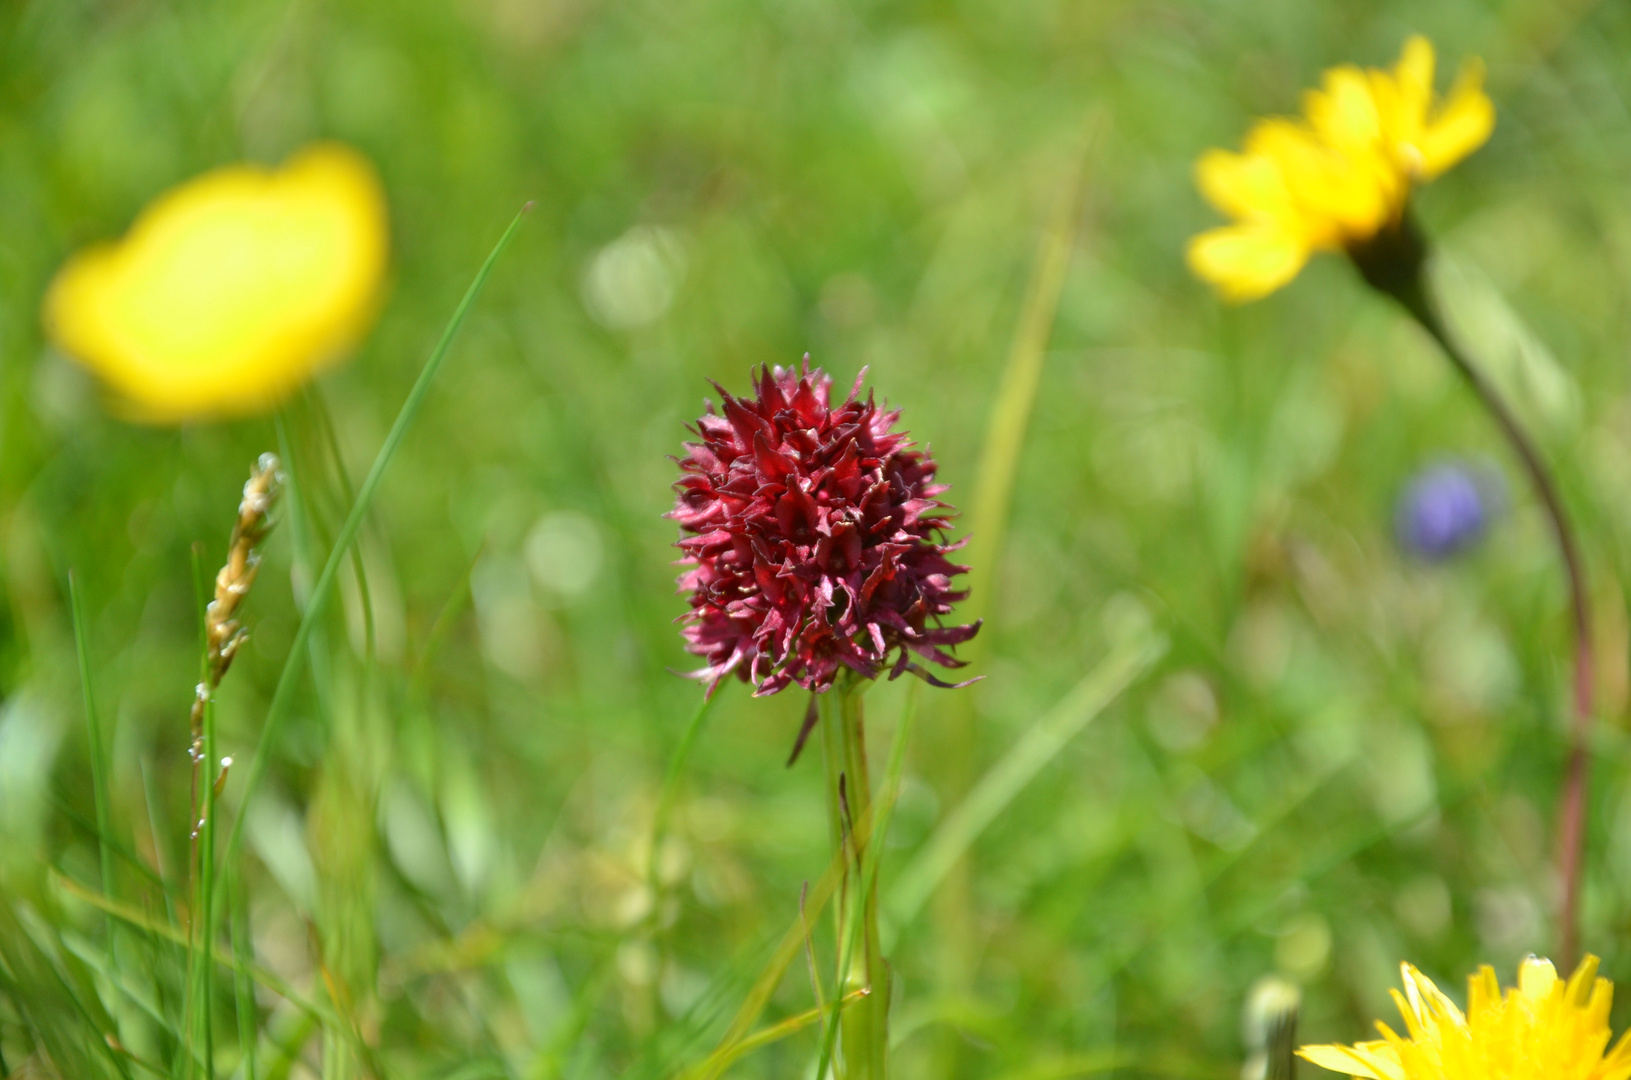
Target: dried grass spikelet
224	634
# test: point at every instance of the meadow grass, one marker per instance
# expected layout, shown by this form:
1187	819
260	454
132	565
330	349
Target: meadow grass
477	827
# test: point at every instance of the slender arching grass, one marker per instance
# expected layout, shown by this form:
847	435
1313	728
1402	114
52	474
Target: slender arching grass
324	585
93	727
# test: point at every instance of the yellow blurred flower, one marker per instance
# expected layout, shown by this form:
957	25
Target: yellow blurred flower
230	290
1337	176
1543	1029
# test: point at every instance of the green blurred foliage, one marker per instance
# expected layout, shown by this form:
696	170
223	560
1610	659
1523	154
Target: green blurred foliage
1346	759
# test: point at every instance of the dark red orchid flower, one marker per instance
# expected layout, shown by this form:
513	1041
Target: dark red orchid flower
814	540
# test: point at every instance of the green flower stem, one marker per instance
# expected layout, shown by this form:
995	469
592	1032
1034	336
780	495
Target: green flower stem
1393	263
864	1024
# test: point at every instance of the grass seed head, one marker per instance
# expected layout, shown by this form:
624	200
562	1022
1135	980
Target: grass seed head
224	634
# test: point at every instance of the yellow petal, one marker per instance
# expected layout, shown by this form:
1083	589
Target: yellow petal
1343	114
1340	195
1617	1065
1245	186
231	289
1536	978
1461	125
1413	76
1428	1000
1403	97
1584	984
1246	262
1376	1060
1483	993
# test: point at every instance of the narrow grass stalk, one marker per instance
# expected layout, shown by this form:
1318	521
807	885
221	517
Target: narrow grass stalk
243	955
671	786
303	531
206	894
1403	279
197	945
988	519
1021	377
659	832
282	694
330	438
93	730
781	1030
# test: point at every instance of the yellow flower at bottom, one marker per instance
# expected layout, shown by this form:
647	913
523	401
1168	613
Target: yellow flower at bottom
1338	176
231	289
1542	1029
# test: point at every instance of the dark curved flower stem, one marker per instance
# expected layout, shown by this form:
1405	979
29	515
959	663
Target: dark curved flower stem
1398	272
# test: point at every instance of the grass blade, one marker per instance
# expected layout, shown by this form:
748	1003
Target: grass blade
782	1029
259	760
989	512
671	784
93	727
133	916
988	798
1021	377
243	955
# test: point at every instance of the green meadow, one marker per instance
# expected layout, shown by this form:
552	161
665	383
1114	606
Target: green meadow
1226	728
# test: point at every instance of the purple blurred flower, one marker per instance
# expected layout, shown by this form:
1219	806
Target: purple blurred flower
1448	507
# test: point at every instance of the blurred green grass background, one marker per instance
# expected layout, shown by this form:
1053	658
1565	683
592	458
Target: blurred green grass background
1345	759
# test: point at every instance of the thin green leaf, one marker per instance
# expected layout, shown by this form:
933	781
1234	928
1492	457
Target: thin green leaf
243	956
139	919
281	695
1021	377
671	785
782	1029
93	727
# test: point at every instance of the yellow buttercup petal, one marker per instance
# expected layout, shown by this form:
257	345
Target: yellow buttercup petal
1461	125
231	289
1247	261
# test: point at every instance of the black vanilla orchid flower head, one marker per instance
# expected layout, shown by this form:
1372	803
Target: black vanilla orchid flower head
815	540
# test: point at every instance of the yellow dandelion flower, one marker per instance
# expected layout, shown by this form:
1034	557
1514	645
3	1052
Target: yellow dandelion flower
1334	178
1542	1029
230	290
